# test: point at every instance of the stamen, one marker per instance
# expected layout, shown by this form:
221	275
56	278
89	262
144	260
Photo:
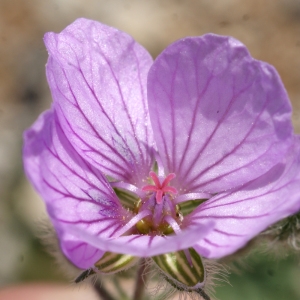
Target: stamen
177	230
169	206
129	187
172	223
132	222
158	214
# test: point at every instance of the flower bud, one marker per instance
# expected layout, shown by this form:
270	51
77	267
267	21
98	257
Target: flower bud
182	269
111	263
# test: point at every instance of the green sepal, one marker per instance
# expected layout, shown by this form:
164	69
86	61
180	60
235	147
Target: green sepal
111	263
187	207
178	270
127	199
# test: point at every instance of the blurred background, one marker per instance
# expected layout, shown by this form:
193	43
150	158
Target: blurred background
269	28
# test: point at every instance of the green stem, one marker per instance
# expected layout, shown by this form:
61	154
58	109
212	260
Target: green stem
140	281
121	292
102	292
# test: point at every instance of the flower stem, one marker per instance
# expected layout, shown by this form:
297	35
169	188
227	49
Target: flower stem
140	281
102	292
203	294
121	293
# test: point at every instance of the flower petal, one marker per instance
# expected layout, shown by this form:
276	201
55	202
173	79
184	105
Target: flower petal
139	245
97	76
242	214
220	118
74	191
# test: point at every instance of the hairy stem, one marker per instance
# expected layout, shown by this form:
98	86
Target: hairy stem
140	281
203	294
102	292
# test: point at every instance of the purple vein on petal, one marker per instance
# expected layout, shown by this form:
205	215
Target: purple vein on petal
172	112
95	150
86	222
146	114
214	244
231	102
230	172
93	129
195	113
79	245
72	171
107	158
191	196
151	238
228	233
160	126
133	128
81	41
239	201
109	227
235	217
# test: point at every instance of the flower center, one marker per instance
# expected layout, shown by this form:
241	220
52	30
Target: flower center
156	208
160	188
163	214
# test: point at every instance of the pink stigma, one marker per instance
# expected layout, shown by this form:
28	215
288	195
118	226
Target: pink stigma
160	188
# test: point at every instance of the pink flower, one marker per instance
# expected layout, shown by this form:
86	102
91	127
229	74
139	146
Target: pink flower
137	157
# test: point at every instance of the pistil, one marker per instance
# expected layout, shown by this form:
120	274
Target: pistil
163	218
160	188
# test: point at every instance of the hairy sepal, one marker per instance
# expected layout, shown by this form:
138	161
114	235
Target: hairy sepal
179	272
111	263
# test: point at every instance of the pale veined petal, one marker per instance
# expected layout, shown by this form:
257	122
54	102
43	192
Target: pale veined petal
97	76
220	118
